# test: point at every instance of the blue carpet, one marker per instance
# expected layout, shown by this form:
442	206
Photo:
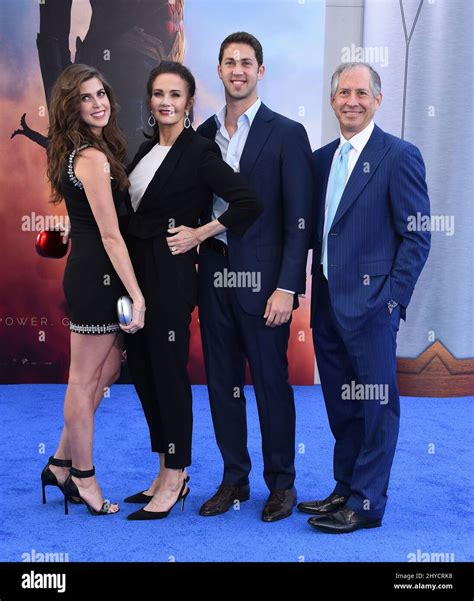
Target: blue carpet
429	510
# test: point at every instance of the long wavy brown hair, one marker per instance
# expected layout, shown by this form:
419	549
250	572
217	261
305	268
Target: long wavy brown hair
67	131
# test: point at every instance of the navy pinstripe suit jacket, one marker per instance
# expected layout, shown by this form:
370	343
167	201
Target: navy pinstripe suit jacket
373	254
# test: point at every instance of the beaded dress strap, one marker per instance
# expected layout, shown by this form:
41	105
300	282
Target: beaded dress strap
70	168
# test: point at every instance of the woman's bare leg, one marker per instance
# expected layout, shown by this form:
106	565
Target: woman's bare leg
88	357
109	374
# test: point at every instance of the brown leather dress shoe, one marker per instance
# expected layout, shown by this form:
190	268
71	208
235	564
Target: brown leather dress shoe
279	505
331	503
223	499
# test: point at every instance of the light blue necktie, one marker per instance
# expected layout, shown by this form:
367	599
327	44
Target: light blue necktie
336	188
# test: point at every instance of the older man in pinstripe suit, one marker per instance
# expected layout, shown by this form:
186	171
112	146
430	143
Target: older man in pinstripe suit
366	261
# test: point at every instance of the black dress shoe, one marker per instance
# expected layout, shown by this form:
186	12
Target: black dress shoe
139	497
144	514
223	499
342	521
331	503
279	505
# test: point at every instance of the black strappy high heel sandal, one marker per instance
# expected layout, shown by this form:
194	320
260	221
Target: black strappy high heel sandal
141	514
70	489
141	498
48	478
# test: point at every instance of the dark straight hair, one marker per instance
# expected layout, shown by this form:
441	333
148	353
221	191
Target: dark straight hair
175	68
242	37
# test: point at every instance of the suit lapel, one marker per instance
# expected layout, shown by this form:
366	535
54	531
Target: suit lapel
366	165
167	167
258	134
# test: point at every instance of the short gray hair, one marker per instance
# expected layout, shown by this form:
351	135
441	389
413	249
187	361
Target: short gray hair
375	83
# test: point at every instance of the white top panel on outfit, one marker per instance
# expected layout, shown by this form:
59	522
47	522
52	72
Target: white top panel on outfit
144	172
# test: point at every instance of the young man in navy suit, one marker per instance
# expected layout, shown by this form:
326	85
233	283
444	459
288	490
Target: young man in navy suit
248	285
366	262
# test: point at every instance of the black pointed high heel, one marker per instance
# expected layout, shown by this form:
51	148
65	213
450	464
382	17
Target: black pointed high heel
141	498
141	514
70	489
48	478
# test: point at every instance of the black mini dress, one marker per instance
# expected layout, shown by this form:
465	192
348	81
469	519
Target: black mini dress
91	285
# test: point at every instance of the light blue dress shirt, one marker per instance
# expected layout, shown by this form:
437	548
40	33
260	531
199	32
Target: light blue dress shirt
231	149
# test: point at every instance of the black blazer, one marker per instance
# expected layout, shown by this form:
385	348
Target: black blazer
182	190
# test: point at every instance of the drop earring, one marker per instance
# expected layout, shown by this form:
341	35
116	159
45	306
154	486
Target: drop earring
187	121
151	120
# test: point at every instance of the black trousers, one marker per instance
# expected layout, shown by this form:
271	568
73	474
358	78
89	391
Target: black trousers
230	336
158	354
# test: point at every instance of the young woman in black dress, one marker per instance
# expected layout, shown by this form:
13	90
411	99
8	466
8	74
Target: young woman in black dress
172	181
86	154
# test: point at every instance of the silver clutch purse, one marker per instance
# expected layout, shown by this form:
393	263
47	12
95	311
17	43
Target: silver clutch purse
124	310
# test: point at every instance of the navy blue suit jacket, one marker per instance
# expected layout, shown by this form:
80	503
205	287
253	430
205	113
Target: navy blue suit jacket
373	254
276	162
